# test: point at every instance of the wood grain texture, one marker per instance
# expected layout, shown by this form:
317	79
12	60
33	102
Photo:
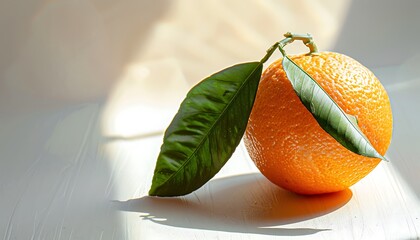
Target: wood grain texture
82	171
63	175
62	179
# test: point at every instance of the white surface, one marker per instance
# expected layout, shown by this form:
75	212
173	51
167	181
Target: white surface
87	87
62	179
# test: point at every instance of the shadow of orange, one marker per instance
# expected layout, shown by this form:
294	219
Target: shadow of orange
254	198
246	203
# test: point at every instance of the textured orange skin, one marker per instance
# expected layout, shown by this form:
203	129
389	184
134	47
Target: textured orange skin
292	150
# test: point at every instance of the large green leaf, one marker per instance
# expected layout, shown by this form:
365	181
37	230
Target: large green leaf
340	125
206	130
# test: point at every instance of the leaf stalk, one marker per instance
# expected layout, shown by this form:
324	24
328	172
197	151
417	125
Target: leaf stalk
289	38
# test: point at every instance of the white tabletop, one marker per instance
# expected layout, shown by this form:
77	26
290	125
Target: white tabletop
81	128
61	178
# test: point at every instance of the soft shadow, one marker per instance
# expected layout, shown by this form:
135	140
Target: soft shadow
51	56
53	176
404	150
245	203
366	32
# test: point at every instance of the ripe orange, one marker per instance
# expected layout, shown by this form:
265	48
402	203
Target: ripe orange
292	150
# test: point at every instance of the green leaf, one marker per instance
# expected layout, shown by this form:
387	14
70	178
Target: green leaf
206	130
340	125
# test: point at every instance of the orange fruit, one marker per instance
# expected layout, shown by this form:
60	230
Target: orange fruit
292	150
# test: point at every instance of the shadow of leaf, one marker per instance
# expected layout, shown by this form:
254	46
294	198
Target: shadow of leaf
245	203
